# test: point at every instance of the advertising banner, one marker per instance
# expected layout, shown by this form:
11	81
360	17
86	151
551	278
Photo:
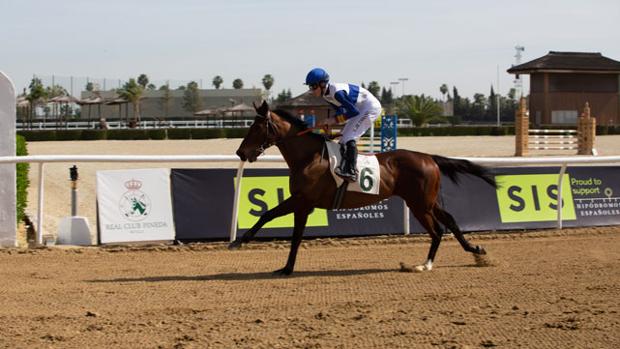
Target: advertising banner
134	205
526	199
203	201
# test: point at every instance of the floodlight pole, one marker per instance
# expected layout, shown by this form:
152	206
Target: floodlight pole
394	83
402	80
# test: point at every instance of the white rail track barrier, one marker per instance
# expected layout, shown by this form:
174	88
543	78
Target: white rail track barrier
41	160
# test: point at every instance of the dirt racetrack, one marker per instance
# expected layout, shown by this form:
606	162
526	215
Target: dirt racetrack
545	289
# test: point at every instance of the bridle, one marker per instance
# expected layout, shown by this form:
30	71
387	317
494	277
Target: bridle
270	126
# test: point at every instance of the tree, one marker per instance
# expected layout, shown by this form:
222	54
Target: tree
478	106
420	109
443	89
132	92
59	109
55	91
387	98
374	88
36	95
217	82
509	105
268	81
492	105
151	87
512	93
191	98
90	86
143	80
458	111
165	99
237	84
284	96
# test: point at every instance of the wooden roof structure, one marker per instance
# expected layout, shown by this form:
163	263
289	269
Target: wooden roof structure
568	62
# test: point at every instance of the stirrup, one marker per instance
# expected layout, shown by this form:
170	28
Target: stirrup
347	176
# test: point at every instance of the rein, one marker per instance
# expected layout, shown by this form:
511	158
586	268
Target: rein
271	126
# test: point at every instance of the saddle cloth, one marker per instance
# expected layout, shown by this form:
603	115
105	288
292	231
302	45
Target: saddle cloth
368	178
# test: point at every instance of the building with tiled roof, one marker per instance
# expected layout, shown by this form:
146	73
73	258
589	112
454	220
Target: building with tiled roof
562	82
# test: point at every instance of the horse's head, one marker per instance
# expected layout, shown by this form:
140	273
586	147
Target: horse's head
263	133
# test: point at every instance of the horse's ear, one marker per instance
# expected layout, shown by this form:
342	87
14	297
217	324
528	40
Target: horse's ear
263	110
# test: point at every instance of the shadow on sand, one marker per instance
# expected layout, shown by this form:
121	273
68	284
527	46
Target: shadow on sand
249	276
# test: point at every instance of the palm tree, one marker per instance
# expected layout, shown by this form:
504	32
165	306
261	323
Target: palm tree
420	109
268	81
444	89
217	81
191	97
237	84
374	88
143	80
36	95
132	92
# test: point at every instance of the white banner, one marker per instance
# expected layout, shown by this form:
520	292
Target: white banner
134	205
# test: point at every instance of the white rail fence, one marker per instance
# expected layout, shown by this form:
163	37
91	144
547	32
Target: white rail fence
41	160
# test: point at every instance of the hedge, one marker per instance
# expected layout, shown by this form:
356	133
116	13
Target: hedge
457	131
22	178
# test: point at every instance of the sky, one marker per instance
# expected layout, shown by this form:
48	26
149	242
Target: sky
459	43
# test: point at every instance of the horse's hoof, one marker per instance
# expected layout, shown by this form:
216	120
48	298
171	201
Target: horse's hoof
235	245
283	272
480	250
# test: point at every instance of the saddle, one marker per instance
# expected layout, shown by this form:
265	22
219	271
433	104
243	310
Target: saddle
369	172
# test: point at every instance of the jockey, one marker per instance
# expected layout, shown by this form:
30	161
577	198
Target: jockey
355	106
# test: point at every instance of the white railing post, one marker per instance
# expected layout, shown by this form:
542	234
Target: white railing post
40	203
372	137
560	206
406	228
233	221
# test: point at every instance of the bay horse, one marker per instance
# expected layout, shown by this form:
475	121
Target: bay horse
413	176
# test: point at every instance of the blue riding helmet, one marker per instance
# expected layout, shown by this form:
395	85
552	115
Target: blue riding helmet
316	76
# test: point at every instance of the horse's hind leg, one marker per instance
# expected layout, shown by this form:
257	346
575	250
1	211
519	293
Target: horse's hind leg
428	221
448	221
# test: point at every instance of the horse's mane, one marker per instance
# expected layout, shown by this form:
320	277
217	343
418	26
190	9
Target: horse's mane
299	123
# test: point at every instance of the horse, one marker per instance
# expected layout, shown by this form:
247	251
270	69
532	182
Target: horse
411	175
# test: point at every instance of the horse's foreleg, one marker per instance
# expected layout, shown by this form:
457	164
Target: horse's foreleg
301	217
285	207
448	221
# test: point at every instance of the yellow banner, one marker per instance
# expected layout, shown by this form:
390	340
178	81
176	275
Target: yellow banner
533	198
260	194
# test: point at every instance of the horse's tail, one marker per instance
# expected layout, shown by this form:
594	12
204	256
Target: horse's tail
452	167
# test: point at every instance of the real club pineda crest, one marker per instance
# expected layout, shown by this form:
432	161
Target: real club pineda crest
134	205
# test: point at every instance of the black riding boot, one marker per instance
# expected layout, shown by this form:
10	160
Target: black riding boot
348	168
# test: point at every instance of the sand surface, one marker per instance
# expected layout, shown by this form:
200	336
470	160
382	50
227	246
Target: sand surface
544	290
